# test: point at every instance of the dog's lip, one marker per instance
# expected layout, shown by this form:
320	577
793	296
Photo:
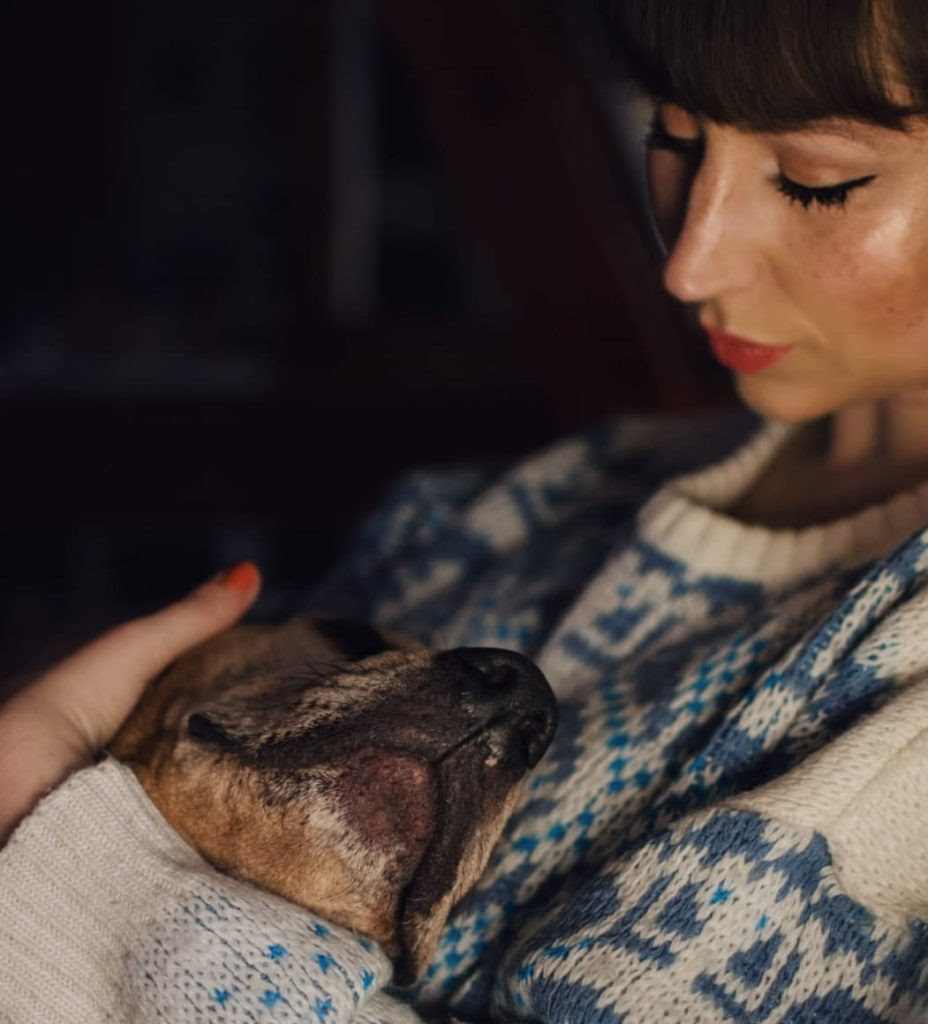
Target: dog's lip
530	733
478	734
506	756
439	861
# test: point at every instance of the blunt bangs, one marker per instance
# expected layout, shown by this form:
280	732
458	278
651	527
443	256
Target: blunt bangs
773	65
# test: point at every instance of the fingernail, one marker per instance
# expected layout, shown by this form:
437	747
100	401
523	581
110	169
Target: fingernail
241	578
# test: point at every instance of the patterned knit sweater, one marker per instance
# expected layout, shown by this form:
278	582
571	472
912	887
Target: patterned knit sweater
732	824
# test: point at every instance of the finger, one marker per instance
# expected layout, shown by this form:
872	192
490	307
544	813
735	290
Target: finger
98	686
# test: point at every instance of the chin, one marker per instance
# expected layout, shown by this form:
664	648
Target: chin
783	400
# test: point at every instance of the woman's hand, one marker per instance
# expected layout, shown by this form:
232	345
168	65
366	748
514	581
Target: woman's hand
57	723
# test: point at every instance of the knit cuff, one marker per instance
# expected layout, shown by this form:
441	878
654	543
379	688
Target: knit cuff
107	914
78	875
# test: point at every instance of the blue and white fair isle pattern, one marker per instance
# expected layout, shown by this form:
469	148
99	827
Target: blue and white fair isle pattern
622	892
212	954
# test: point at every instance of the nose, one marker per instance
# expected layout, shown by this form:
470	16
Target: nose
496	669
514	691
715	250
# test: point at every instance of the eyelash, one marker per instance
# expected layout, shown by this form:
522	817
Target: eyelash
828	196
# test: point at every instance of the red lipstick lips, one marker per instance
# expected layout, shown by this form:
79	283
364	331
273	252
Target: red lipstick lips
743	355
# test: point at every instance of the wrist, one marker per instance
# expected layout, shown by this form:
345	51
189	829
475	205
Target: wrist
39	749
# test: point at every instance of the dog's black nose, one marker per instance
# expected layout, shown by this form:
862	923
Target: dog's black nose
524	706
495	668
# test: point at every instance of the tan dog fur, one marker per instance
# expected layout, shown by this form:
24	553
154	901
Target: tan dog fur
366	782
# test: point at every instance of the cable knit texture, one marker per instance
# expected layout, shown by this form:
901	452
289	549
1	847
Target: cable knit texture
730	826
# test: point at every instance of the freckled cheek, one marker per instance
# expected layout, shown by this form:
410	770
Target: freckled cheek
875	276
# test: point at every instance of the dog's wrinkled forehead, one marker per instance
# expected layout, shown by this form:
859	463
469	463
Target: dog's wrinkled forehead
314	675
303	651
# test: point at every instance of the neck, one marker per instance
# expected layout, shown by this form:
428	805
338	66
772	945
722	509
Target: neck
861	455
888	433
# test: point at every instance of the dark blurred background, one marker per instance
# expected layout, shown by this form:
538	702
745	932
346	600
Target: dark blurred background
261	257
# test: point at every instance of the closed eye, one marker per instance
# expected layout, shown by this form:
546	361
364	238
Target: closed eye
825	195
659	138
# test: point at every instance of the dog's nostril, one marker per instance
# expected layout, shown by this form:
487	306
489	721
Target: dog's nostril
535	732
497	669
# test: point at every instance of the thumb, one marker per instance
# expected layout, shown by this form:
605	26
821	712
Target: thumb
97	686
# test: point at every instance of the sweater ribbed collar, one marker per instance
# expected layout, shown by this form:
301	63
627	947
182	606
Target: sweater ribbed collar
685	520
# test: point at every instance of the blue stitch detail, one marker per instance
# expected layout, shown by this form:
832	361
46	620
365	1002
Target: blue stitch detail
681	913
721	895
643	778
752	964
525	844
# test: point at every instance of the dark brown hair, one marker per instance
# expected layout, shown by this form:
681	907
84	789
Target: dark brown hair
776	64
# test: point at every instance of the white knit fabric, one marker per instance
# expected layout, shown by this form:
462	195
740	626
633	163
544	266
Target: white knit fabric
107	915
867	794
686	519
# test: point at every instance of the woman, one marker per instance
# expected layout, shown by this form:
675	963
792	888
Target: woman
731	825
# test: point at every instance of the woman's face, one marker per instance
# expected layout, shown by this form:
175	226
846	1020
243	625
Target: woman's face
816	239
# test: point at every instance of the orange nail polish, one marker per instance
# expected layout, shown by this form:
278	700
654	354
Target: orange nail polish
240	578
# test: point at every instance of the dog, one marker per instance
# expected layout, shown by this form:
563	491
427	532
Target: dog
353	772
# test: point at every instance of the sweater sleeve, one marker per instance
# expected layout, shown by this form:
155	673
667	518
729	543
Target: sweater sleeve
107	915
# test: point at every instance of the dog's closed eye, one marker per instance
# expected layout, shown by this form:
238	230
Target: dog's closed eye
204	730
